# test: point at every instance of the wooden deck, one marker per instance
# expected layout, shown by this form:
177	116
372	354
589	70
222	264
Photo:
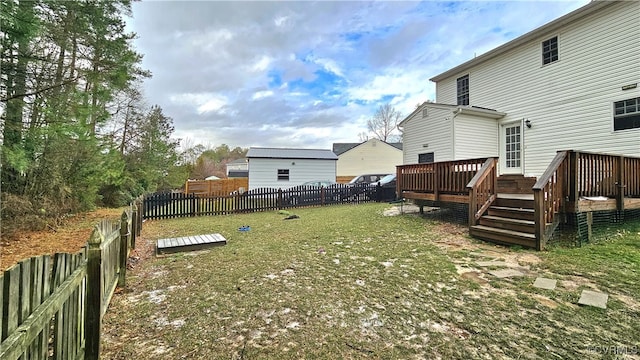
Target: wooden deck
189	243
574	182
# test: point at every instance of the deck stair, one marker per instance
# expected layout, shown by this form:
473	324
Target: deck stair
510	219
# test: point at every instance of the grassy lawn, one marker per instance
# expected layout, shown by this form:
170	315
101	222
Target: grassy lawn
346	282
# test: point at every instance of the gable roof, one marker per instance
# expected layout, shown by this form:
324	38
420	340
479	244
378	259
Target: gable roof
288	153
458	109
341	148
588	9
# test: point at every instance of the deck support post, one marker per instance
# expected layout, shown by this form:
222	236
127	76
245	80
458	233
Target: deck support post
589	226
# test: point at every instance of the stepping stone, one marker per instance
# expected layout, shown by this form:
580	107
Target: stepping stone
505	273
544	283
592	298
491	263
190	243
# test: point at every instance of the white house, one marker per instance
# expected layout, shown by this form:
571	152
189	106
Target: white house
569	84
284	168
369	157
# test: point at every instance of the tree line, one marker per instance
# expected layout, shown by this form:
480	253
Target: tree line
76	130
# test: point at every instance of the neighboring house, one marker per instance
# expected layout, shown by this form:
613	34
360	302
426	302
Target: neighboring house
370	157
570	84
284	168
238	169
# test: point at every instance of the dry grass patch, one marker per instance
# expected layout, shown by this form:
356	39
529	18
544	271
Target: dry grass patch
347	282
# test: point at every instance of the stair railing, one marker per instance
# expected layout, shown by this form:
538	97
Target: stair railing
548	197
482	190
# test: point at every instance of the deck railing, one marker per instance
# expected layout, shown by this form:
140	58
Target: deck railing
447	177
573	176
631	177
548	197
482	190
611	176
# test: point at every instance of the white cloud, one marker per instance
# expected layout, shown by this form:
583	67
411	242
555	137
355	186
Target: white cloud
211	105
202	102
213	59
330	65
262	94
262	64
209	39
391	82
280	21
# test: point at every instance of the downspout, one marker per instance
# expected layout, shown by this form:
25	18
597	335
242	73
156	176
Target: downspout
456	112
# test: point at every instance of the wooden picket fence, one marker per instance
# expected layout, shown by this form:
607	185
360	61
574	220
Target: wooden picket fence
177	205
52	306
216	187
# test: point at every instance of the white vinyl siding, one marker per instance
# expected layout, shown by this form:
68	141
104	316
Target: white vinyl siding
264	172
435	131
468	130
569	104
371	157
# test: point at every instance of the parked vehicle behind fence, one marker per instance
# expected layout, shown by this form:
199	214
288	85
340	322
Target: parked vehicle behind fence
317	192
367	178
382	190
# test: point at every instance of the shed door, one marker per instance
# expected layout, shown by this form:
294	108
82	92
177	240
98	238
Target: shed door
511	149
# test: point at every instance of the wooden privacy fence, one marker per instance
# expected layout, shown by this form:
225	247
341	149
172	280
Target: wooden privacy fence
173	205
52	307
215	187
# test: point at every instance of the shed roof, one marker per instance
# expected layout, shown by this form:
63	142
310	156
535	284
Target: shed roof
287	153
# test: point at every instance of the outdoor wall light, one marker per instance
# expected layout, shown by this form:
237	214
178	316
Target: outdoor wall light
527	122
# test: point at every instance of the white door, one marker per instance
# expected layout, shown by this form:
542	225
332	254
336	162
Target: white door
511	148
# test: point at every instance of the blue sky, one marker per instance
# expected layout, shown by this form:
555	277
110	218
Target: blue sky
309	74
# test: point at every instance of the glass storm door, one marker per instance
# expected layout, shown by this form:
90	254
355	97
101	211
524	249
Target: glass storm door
511	153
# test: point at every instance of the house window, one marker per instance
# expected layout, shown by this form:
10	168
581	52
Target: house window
463	90
425	112
283	174
425	158
550	50
626	114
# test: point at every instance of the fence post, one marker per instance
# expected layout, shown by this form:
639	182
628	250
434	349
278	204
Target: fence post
279	200
140	215
124	249
95	288
134	224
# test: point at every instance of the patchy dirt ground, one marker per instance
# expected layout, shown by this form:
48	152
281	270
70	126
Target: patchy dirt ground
69	237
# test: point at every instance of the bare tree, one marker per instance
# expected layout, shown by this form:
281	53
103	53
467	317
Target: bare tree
363	136
384	122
